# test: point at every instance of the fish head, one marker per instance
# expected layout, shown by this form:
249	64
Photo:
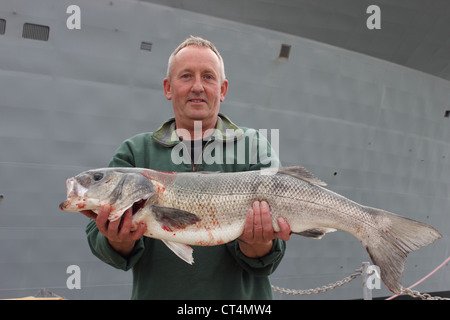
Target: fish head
120	188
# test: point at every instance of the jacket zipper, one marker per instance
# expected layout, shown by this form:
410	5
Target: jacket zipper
195	166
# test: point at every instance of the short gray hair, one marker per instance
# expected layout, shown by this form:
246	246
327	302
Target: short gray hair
199	42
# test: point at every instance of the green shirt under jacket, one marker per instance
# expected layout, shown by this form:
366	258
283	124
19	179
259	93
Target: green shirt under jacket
219	272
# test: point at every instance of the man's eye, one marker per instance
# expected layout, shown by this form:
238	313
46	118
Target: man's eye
185	76
209	77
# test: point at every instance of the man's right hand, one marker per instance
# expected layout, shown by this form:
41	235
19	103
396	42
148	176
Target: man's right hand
118	232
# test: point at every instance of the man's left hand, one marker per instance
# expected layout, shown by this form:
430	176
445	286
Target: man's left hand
257	238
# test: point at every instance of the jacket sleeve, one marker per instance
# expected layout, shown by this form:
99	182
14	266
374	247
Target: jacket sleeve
101	249
263	266
124	156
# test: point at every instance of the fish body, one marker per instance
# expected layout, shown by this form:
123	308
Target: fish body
206	209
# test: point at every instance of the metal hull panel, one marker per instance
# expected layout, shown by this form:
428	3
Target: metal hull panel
373	130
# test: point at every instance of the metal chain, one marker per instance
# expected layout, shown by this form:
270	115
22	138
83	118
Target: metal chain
358	272
423	296
322	289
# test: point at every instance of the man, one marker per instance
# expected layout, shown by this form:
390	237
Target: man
196	85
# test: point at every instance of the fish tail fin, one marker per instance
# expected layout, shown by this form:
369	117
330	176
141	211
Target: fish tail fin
397	237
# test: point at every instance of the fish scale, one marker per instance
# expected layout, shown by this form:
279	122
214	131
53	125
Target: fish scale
207	209
208	193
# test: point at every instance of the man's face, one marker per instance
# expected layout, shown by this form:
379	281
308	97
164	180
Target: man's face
196	88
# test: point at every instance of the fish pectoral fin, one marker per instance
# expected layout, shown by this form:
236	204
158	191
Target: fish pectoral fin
316	233
183	251
172	218
302	174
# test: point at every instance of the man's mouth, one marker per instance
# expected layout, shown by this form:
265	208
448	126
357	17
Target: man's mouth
196	100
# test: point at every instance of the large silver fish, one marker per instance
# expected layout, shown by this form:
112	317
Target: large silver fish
207	209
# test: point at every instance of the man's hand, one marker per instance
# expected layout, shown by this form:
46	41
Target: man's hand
257	238
118	232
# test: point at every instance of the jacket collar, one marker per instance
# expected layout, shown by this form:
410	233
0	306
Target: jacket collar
225	130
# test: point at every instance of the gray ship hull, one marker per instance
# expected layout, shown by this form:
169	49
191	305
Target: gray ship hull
375	131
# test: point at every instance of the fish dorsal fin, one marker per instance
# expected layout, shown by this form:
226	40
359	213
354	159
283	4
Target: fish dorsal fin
302	174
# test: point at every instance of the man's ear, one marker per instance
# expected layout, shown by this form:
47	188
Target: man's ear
223	90
167	89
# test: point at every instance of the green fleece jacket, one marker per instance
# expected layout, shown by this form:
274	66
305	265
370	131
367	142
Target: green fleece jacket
219	272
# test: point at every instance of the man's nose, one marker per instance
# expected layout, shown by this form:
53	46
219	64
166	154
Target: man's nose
197	86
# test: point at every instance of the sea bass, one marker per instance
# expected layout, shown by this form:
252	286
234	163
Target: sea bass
210	208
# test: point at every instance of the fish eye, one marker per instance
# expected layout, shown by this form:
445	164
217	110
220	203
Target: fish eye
98	176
